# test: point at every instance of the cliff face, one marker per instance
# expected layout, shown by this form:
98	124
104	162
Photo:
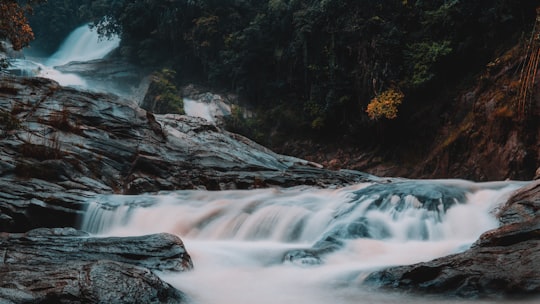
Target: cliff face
489	135
485	134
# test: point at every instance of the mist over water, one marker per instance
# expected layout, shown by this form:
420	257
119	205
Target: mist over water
32	68
241	241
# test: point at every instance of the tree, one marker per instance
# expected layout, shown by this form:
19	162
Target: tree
385	104
333	63
52	21
14	24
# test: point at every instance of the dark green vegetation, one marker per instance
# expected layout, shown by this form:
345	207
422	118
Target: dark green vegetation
53	20
163	96
313	66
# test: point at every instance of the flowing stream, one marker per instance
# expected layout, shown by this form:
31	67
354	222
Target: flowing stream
305	245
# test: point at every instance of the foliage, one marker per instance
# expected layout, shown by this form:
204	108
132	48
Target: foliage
14	24
323	60
385	104
242	123
9	121
53	20
423	57
164	93
49	147
61	121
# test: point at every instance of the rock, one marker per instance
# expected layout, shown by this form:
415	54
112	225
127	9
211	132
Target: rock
484	137
523	206
84	282
68	266
164	252
110	75
68	145
429	200
162	97
503	262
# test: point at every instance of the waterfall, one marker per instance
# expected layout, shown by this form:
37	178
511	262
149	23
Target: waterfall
198	109
304	245
83	44
209	106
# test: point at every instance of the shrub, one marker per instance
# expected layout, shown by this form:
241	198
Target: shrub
50	149
385	104
422	59
61	121
9	121
163	96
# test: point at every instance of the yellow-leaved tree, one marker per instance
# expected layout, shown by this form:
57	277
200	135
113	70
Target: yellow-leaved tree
385	104
14	24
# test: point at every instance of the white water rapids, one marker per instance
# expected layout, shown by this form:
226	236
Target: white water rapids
256	246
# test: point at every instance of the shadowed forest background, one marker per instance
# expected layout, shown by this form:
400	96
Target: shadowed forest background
380	123
383	76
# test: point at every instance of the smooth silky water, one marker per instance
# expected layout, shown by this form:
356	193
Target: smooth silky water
239	240
83	44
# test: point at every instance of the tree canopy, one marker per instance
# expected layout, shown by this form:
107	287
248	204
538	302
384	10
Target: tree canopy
324	60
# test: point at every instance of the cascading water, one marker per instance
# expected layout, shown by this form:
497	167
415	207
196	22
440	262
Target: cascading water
305	245
198	109
83	44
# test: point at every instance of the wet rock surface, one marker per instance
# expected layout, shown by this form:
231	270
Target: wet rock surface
503	262
110	75
68	266
429	199
59	146
162	252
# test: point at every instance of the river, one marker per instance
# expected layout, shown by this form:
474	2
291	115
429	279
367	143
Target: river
297	245
241	241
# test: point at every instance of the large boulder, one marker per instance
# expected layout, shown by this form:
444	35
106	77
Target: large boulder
84	282
503	262
68	266
59	146
164	252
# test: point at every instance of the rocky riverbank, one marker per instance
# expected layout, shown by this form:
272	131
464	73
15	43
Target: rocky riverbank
503	262
59	147
68	266
481	136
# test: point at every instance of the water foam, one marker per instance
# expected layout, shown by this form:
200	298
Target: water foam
238	239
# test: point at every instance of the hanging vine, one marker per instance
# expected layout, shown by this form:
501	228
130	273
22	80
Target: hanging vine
529	70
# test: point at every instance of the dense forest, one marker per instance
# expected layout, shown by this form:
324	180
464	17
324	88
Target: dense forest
370	71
